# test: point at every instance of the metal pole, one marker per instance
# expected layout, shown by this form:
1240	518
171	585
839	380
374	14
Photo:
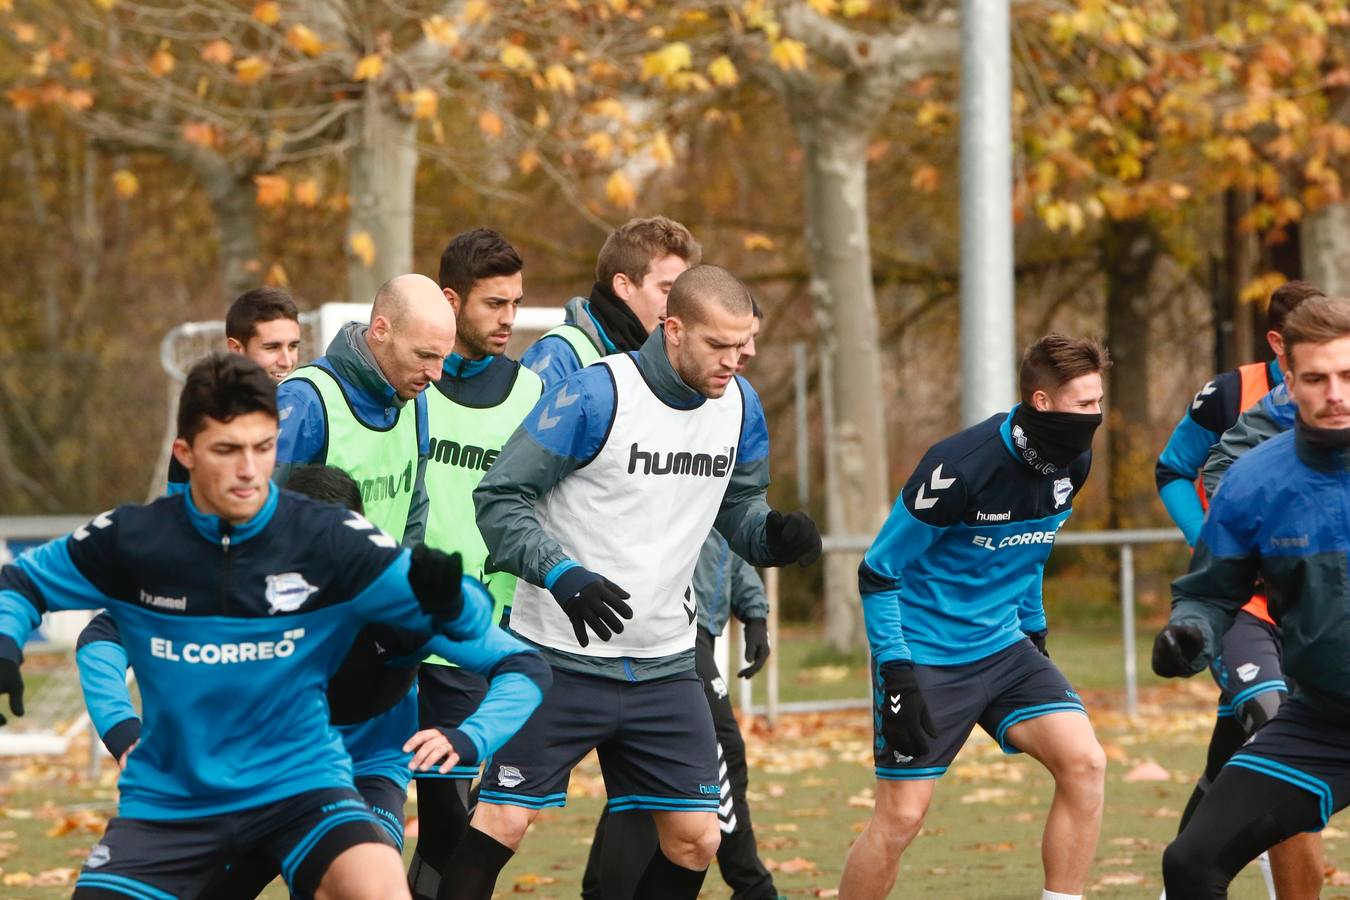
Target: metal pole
986	211
771	689
803	437
1127	628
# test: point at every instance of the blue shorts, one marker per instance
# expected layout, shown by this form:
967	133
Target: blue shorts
1014	685
1249	664
146	858
446	696
654	738
1307	744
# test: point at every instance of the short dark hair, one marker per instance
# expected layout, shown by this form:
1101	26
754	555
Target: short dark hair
631	248
756	308
326	483
481	253
222	386
1317	320
1286	299
264	304
703	286
1057	359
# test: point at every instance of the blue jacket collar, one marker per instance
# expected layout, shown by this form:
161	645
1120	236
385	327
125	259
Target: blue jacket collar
457	366
349	357
212	527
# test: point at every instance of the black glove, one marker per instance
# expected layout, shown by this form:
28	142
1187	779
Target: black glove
595	605
434	577
756	647
792	538
11	682
904	715
1038	639
1175	649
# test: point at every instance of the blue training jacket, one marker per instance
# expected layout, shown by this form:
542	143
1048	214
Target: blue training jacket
954	576
234	632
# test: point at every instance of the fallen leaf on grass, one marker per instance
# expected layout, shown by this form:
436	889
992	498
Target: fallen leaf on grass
988	795
997	847
786	826
794	866
55	877
80	820
526	884
1148	771
17	879
863	800
827	892
1121	879
1337	878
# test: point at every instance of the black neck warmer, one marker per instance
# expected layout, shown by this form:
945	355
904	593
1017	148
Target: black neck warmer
621	324
1048	441
1323	438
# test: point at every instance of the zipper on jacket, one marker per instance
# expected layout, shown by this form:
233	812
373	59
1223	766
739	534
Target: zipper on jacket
225	529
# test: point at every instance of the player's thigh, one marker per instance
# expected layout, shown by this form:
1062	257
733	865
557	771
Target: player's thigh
364	872
690	828
1249	672
532	769
663	757
308	832
1033	709
137	857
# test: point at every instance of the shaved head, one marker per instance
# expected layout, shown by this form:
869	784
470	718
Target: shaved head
412	330
699	289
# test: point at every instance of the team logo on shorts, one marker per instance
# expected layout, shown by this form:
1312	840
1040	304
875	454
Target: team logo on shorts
99	856
509	776
287	592
1063	487
1248	671
719	686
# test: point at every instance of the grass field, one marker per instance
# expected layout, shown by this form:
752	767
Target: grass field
811	794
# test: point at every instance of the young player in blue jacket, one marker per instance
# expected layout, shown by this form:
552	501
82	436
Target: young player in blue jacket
236	601
378	671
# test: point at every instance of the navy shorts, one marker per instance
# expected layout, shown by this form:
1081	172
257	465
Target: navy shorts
446	696
1011	686
654	738
386	799
1307	744
146	858
1248	665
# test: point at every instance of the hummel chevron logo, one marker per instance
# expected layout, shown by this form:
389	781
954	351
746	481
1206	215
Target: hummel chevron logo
937	483
101	521
564	398
358	522
541	364
1204	392
690	606
895	703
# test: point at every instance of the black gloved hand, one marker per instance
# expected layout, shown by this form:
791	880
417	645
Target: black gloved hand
756	647
904	715
792	538
11	682
595	605
435	580
1038	639
1175	649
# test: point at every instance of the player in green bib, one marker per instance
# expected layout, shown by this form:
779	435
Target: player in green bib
360	407
475	405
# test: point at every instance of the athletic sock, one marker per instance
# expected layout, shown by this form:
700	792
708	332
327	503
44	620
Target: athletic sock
1053	895
472	872
664	880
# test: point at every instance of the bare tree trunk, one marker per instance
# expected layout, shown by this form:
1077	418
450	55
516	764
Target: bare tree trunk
1129	254
845	307
234	201
1326	249
383	162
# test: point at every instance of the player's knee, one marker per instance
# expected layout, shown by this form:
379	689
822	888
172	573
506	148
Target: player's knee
504	824
1084	770
897	826
1186	870
693	843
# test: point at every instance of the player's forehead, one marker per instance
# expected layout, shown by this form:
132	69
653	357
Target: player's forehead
719	325
498	287
247	429
1321	359
282	331
1084	388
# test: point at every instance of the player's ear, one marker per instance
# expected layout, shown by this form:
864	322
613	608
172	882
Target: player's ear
182	451
1040	401
674	330
379	328
233	345
453	298
621	286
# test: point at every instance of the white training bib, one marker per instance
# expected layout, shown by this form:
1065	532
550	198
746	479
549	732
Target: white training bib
637	514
